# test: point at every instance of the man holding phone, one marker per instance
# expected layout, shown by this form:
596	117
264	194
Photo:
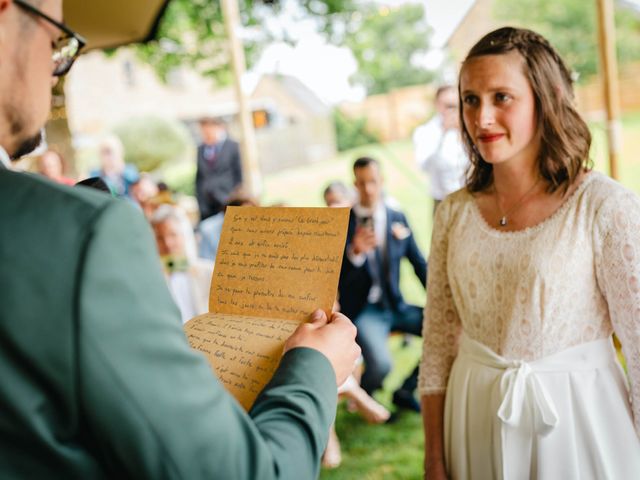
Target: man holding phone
377	240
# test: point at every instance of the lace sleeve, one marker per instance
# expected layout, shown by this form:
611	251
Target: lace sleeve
617	240
441	326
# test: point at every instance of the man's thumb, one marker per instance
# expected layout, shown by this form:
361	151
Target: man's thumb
318	318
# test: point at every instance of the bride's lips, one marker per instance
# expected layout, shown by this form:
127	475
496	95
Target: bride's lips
490	137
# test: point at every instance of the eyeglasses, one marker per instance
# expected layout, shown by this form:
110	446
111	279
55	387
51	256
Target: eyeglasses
66	48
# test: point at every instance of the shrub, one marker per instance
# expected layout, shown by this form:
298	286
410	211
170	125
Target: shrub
351	132
151	142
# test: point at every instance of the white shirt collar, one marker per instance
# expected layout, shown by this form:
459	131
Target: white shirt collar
361	211
4	158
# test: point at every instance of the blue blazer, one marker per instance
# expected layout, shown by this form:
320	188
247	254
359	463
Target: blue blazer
355	282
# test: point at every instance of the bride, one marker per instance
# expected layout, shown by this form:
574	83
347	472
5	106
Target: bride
533	266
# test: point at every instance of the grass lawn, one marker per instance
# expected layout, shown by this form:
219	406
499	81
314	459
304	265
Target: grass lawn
395	451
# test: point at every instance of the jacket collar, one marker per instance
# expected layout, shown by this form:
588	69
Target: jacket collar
4	158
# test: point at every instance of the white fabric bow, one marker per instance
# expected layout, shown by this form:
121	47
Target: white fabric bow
518	384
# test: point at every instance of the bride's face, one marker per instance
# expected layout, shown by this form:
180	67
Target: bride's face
498	107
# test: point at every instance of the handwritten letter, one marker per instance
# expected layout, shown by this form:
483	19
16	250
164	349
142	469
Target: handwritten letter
274	267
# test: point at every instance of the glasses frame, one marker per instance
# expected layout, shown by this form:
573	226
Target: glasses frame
60	26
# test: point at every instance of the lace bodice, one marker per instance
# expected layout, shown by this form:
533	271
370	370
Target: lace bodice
571	279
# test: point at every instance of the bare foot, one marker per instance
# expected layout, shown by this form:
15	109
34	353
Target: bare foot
370	409
360	401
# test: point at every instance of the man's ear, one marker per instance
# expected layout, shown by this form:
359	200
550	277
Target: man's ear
4	8
4	5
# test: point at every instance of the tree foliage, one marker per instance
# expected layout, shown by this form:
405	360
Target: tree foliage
151	142
384	40
351	132
571	27
386	43
192	32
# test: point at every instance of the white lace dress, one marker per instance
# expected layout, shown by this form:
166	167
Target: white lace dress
517	332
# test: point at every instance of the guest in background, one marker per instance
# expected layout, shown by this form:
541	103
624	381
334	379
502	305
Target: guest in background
144	192
219	169
378	238
51	165
188	277
438	147
113	169
337	194
209	230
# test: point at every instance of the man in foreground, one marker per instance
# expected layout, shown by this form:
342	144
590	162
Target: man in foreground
98	380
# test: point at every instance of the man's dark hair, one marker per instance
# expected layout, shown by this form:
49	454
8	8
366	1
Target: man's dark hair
27	146
364	162
240	198
96	183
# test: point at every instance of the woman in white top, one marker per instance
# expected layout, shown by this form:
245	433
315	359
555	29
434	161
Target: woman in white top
533	266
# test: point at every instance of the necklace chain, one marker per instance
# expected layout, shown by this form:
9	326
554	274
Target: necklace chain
503	216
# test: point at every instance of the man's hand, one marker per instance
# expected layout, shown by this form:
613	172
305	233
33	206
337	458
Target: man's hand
364	240
335	339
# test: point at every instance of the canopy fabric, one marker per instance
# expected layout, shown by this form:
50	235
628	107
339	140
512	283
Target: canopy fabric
112	23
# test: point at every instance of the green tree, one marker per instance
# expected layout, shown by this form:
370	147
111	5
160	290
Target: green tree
151	142
570	26
351	132
386	42
192	31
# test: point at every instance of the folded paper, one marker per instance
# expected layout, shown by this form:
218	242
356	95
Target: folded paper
274	267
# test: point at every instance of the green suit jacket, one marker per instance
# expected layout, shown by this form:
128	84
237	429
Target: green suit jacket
96	376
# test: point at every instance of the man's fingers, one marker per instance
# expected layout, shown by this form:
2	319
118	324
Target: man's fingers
318	319
337	317
341	321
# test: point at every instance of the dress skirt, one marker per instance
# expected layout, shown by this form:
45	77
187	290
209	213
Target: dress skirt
565	416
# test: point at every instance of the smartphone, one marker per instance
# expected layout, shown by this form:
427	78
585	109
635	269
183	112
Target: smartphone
365	222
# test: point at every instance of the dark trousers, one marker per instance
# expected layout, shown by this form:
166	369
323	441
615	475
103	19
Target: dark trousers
374	324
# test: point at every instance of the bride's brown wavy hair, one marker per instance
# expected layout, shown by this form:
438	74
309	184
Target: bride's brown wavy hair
565	137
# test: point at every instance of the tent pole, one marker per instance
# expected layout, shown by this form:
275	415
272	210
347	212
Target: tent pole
248	147
609	75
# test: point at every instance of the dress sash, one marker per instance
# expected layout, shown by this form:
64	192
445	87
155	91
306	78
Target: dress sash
526	408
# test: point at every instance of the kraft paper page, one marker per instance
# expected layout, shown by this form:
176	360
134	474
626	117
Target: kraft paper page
274	267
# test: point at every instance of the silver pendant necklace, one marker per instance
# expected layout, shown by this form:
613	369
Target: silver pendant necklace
503	216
